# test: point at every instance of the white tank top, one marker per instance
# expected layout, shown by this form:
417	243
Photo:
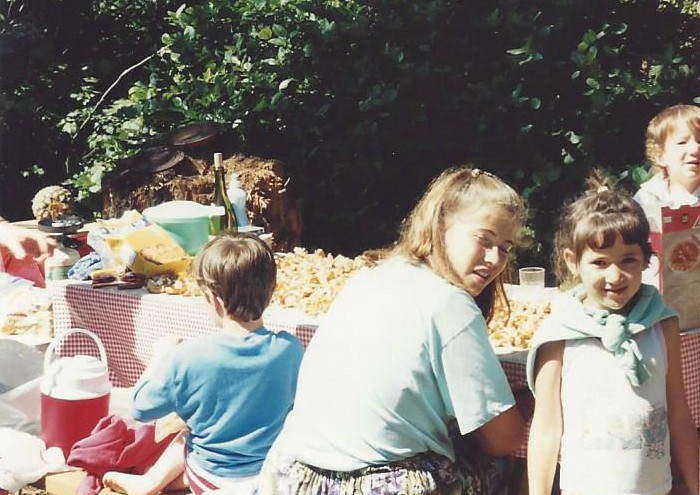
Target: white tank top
615	438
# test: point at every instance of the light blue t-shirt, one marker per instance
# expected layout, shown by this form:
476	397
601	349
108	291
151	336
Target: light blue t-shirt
234	393
399	354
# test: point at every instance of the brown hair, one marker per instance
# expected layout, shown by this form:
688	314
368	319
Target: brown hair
422	234
663	125
241	270
595	220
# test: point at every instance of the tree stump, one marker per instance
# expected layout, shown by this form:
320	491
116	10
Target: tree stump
269	203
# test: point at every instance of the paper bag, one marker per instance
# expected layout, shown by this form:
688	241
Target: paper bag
678	249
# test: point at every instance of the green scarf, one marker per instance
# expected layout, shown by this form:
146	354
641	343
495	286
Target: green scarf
571	320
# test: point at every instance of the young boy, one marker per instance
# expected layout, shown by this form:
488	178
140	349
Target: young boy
233	389
673	148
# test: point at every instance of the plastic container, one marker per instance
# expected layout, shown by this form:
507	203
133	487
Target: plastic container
186	221
238	197
63	258
75	394
19	385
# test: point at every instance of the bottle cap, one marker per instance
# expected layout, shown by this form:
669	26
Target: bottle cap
218	160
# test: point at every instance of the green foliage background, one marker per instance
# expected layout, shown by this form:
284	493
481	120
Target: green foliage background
365	101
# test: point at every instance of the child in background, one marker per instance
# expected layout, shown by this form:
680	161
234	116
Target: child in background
402	357
233	389
605	366
673	148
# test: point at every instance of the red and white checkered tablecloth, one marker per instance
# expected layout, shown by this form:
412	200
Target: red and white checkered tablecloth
129	322
515	372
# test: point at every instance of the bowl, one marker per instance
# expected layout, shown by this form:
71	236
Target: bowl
186	221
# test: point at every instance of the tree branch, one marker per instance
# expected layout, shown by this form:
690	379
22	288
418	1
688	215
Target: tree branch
104	95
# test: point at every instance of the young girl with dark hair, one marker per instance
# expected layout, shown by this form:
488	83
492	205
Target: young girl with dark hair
605	365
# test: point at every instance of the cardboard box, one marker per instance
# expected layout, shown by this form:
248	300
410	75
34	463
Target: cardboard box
148	237
67	483
64	483
677	246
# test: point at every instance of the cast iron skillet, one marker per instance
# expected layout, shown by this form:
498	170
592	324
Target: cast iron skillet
152	160
195	135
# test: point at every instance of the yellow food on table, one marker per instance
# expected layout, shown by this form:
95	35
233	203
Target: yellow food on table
182	284
516	331
305	281
161	254
26	310
310	281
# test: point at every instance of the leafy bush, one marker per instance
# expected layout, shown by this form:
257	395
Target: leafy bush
365	101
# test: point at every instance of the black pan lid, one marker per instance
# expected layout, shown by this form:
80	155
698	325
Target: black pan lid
152	160
196	134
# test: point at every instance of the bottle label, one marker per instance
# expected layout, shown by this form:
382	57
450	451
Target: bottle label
214	225
57	272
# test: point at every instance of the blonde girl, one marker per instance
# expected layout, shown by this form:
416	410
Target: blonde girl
605	365
673	148
403	355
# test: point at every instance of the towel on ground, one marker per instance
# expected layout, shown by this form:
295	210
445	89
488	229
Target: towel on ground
113	445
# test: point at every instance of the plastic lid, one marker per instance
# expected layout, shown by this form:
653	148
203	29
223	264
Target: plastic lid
234	182
181	210
76	377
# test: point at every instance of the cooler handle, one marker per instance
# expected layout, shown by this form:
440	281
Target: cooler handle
57	339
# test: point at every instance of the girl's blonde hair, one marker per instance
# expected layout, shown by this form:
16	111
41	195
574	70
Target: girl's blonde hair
422	234
241	270
663	125
595	220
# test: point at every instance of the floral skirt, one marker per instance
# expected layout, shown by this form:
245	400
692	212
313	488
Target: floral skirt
424	474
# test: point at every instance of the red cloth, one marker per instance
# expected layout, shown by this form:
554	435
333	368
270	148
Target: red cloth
113	445
25	268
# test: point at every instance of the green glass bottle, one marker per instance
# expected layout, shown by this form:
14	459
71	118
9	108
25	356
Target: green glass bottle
227	221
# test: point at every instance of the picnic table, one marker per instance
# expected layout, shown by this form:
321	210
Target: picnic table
129	322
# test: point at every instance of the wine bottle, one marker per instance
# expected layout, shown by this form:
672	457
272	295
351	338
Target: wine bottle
227	221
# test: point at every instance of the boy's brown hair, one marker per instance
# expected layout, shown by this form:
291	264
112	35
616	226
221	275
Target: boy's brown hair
661	127
241	270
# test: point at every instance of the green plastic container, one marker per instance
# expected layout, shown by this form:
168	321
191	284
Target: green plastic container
186	221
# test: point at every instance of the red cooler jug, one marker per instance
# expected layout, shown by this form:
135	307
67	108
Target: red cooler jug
74	394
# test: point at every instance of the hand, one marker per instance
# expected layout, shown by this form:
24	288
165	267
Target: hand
26	243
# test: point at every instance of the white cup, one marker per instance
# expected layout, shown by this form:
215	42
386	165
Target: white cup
531	276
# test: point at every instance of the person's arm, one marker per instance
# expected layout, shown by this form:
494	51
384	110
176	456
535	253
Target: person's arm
162	348
684	436
547	424
503	434
152	396
477	391
25	243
